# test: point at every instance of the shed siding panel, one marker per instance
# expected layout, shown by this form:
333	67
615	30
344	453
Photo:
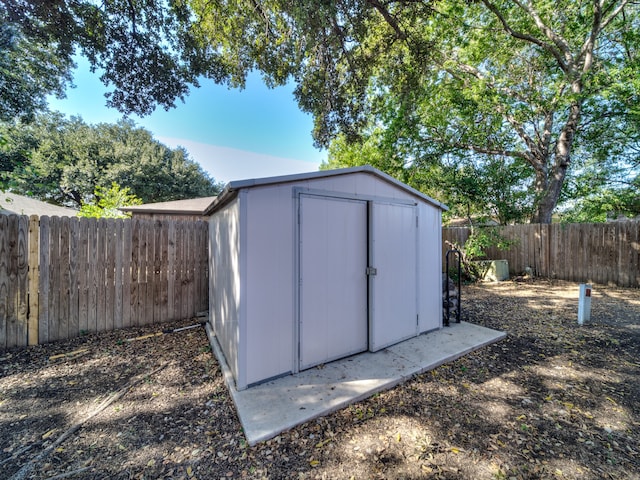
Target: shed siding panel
224	298
270	282
429	274
359	184
333	280
394	315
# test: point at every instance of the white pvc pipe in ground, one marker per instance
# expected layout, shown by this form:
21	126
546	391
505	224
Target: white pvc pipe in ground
584	303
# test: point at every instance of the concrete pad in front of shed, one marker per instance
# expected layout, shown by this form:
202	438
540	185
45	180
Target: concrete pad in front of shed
270	408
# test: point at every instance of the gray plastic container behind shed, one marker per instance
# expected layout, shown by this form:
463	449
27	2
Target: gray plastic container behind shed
309	268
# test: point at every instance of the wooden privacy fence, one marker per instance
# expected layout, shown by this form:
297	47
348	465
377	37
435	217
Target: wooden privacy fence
605	253
61	276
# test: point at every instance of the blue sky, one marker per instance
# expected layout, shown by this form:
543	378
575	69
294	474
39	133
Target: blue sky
234	134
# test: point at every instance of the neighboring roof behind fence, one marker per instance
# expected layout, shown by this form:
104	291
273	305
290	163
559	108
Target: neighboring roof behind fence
191	206
21	205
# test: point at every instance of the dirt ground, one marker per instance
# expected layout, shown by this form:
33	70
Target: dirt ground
552	400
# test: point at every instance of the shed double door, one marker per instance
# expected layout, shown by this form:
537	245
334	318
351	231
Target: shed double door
357	277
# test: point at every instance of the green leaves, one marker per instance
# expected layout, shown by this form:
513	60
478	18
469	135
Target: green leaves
64	160
107	202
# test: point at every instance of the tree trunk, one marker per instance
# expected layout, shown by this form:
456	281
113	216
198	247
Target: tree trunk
548	198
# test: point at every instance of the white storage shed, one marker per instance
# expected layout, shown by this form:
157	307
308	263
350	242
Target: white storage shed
310	268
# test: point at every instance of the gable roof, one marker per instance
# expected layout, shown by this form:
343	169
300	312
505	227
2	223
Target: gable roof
191	206
231	188
21	205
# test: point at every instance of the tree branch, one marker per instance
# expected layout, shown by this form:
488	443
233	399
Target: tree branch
599	24
605	23
390	19
491	151
557	54
558	41
265	16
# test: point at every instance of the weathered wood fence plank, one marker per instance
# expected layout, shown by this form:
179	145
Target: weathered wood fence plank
43	301
22	280
84	277
54	278
74	282
34	275
92	267
126	274
119	273
4	279
110	271
64	286
101	305
157	271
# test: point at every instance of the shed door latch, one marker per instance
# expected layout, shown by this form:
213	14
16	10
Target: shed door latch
372	271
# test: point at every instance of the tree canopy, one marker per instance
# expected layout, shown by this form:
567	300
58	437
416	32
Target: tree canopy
145	49
65	161
544	88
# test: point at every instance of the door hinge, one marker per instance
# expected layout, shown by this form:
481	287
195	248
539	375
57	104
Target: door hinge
372	271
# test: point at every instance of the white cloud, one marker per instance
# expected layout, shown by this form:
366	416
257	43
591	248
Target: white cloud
225	164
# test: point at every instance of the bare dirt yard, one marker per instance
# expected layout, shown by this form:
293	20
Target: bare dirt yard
552	400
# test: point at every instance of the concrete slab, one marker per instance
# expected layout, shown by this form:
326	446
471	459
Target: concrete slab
278	405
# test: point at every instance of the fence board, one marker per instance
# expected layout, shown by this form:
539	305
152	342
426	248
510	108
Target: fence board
74	241
110	269
12	272
598	254
135	271
118	274
171	265
92	299
612	255
84	276
157	269
634	277
179	268
164	273
4	279
142	273
13	289
34	275
54	278
147	306
191	271
126	273
43	300
64	286
101	304
22	274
